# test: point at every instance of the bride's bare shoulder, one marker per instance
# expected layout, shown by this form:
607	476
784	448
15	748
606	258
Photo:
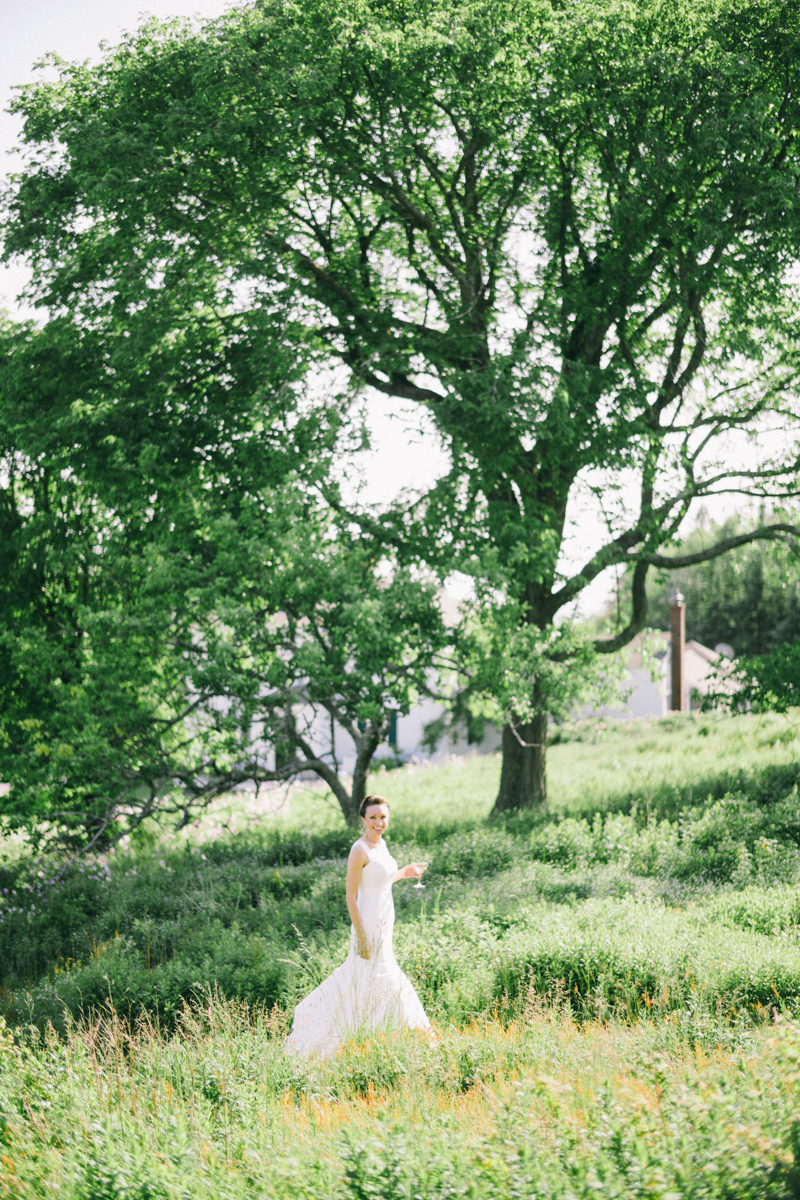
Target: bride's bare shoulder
358	852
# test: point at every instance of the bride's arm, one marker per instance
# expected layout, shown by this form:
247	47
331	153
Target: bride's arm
355	865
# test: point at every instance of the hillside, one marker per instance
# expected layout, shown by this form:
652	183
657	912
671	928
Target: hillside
605	980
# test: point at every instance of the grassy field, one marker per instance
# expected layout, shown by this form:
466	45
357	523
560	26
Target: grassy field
615	986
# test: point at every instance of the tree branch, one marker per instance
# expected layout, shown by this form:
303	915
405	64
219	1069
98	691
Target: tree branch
778	532
638	615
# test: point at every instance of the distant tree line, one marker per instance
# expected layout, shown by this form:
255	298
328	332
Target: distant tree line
748	598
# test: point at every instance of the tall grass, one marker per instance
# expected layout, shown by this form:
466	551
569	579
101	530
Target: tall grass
605	980
678	762
539	1108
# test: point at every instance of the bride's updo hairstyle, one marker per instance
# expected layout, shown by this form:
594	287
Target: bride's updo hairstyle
368	801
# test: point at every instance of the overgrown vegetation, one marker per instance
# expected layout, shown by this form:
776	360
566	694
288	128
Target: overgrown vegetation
605	984
749	598
568	258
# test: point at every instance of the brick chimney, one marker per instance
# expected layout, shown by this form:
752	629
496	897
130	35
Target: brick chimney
677	623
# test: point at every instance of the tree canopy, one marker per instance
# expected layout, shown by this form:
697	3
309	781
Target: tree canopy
565	232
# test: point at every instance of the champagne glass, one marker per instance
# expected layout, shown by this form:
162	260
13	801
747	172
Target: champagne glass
419	885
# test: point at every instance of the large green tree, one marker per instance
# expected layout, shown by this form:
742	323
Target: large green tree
566	232
175	626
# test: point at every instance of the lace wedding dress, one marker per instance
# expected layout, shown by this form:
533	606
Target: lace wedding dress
363	994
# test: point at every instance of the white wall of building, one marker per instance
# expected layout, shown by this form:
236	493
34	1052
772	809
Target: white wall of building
650	697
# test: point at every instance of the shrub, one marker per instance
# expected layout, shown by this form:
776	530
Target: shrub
479	852
627	957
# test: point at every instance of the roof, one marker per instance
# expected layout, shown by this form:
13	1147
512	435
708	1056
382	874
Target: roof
709	656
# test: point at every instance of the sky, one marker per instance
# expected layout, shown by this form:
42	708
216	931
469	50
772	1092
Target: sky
401	457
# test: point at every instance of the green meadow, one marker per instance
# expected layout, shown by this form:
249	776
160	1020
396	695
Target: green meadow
615	987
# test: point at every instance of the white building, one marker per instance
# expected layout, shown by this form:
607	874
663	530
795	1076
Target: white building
653	698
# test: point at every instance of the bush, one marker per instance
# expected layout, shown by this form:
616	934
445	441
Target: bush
480	852
627	957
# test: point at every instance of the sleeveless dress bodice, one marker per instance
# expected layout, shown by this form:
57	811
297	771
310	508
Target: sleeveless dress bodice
363	995
375	903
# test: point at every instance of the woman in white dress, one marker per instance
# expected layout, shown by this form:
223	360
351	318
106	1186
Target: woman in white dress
368	991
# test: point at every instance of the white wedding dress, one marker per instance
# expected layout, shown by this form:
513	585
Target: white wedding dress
363	995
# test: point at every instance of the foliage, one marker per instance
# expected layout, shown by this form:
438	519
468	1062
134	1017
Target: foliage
110	661
749	598
565	234
762	682
515	671
105	698
172	629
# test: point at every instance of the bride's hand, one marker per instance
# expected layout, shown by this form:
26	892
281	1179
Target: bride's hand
364	953
414	870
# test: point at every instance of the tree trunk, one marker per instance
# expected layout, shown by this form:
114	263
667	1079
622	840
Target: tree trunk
361	777
522	778
347	803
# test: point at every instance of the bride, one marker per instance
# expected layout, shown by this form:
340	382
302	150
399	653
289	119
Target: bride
368	991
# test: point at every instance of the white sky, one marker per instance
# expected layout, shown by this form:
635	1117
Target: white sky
73	29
